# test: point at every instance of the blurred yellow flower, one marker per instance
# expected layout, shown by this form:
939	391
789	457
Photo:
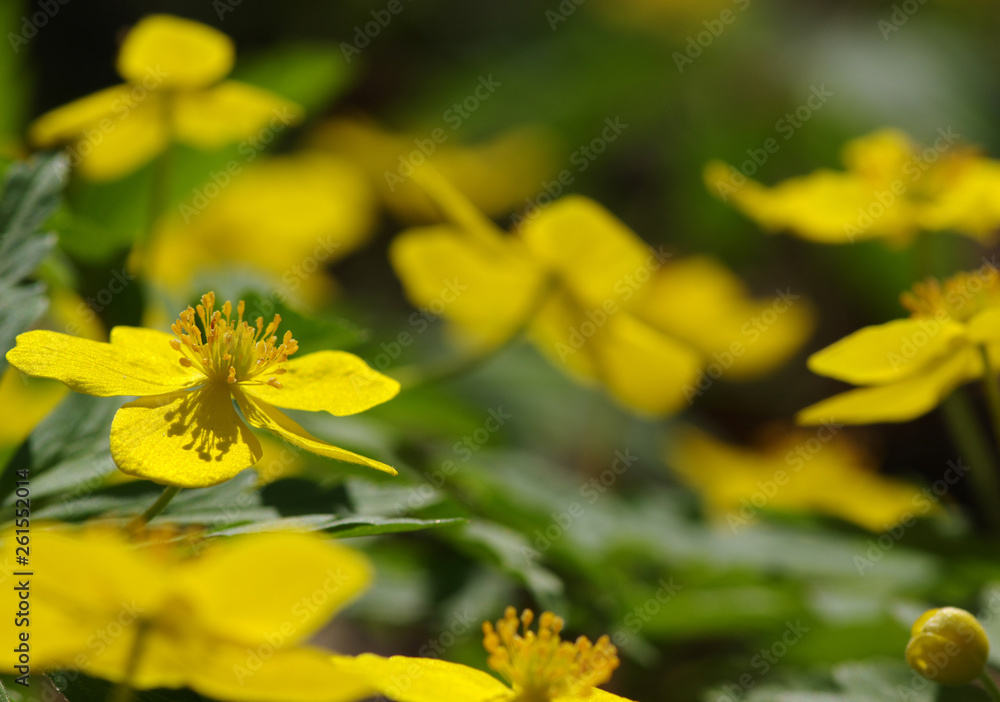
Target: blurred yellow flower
537	667
794	471
228	623
595	298
172	68
891	189
184	431
318	207
497	176
908	366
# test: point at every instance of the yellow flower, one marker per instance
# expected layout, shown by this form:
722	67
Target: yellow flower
319	207
793	471
172	68
594	297
183	430
537	667
948	645
497	176
231	622
890	189
908	366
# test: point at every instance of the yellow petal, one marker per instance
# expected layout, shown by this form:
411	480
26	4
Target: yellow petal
487	294
69	121
302	674
897	402
888	352
558	331
237	599
133	139
404	679
795	471
263	416
333	381
593	253
984	327
100	369
643	369
187	438
965	200
231	112
879	157
826	206
700	301
183	53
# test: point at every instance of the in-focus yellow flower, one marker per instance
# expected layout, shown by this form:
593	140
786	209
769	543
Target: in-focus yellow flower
318	207
595	299
908	366
183	430
172	68
891	189
231	622
794	471
497	176
948	645
537	667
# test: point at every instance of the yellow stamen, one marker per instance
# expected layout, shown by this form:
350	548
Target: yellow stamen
229	350
542	667
959	297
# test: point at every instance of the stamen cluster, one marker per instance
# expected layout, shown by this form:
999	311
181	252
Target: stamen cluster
959	297
231	350
542	667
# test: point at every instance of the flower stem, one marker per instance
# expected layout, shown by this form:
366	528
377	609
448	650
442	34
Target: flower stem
161	502
967	433
991	685
122	692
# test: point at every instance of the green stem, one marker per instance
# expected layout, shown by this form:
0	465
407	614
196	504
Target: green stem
991	685
970	439
161	502
122	692
992	391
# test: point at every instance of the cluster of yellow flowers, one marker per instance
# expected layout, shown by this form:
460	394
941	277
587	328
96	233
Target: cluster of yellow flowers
654	331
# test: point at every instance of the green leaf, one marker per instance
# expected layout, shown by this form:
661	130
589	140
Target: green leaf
341	527
30	195
317	333
3	694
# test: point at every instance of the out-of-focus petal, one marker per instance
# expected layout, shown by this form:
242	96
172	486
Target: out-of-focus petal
186	54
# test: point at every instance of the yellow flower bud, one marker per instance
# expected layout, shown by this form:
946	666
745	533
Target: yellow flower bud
948	646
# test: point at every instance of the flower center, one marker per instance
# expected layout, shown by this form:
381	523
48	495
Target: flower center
959	297
231	350
541	667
